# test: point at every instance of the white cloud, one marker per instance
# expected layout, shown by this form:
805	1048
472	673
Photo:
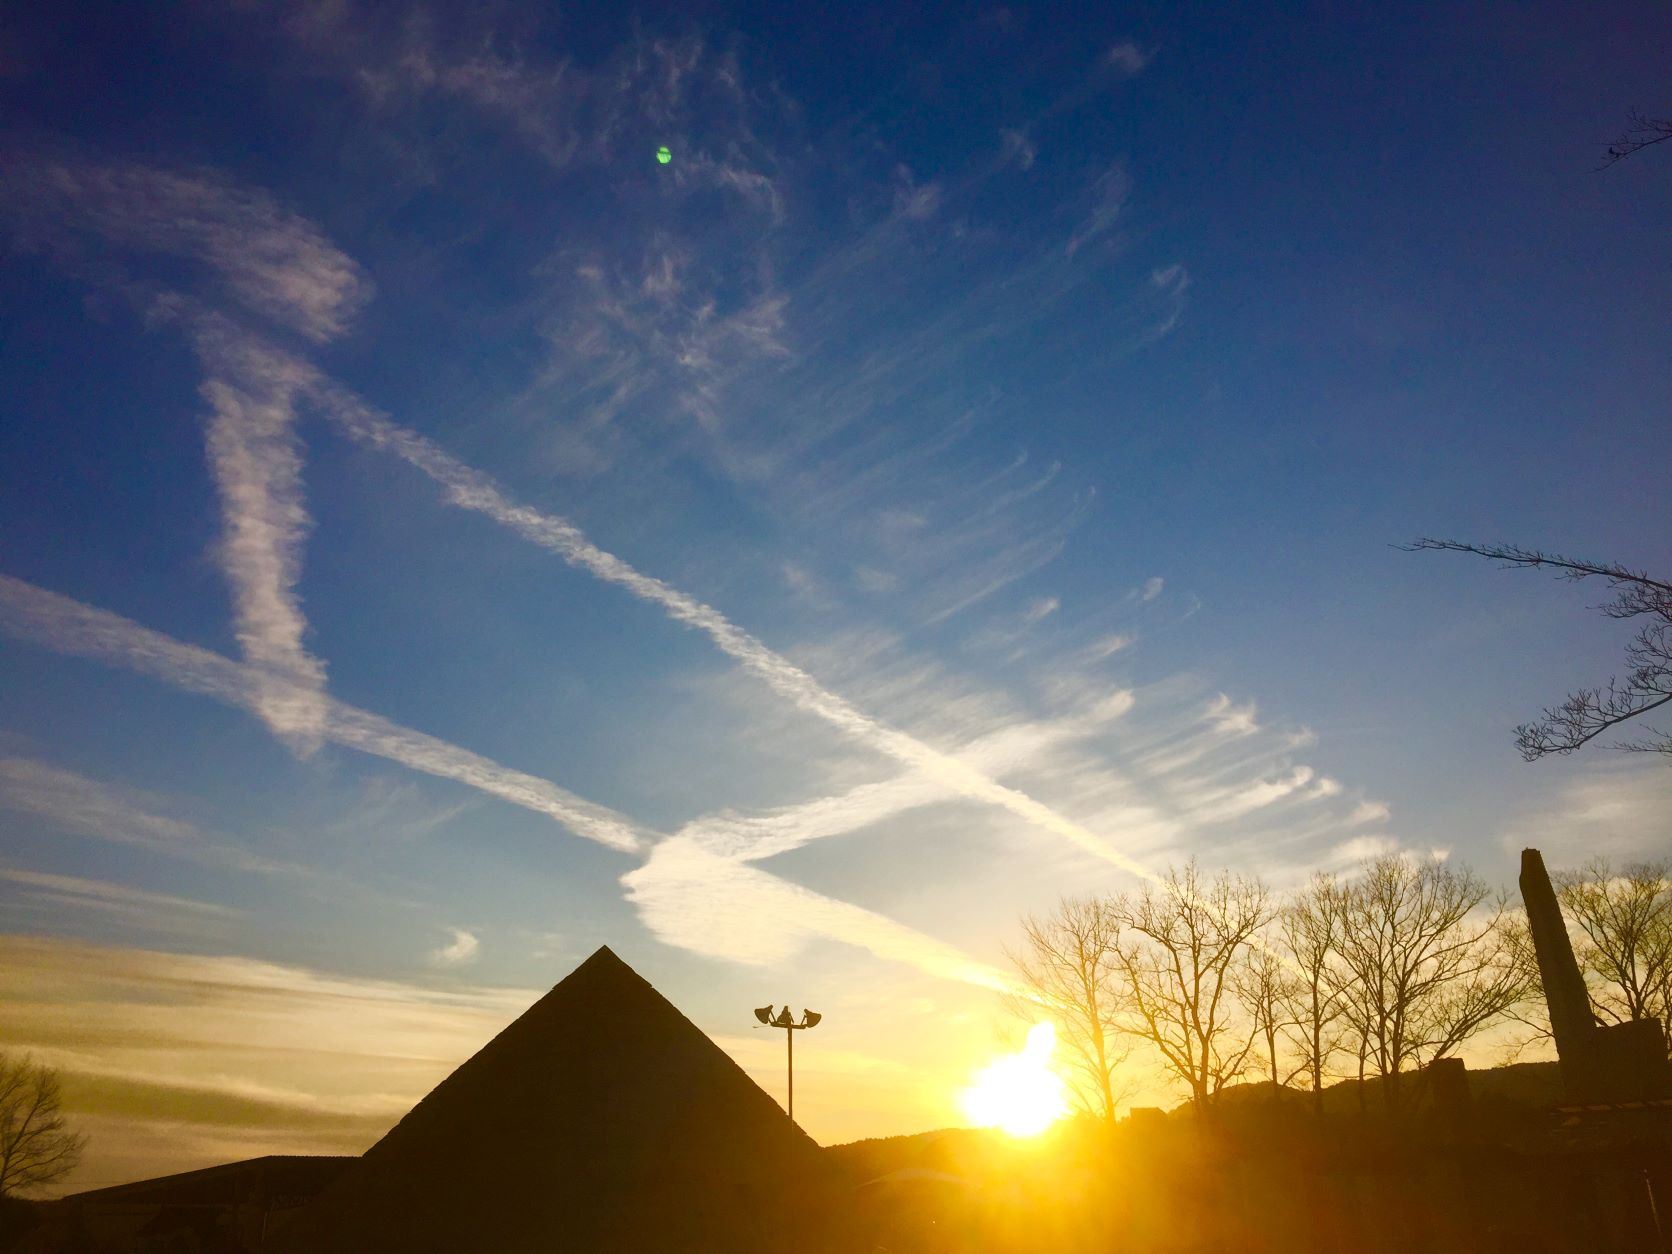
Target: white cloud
914	201
1151	589
1108	646
877	582
1362	849
1616	809
1369	812
1043	607
1231	719
66	626
1127	58
1245	799
1171	284
462	947
708	904
1108	196
273	262
1016	146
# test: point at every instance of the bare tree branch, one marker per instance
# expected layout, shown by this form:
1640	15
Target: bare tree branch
1070	973
1310	927
1624	923
1589	712
1186	940
1430	960
36	1146
1645	132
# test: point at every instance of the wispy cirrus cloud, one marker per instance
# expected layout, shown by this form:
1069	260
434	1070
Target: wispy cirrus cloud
67	626
1108	197
138	907
268	259
683	91
730	341
758	324
92	808
471	490
1614	809
1017	147
276	265
233	1077
1223	794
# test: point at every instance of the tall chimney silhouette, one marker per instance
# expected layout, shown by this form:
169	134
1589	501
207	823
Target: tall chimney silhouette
1601	1063
1571	1019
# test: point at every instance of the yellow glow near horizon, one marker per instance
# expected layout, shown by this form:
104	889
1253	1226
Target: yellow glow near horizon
1019	1094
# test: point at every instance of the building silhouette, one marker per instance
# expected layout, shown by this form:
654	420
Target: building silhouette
602	1120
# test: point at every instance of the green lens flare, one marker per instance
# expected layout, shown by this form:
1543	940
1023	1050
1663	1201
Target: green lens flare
664	154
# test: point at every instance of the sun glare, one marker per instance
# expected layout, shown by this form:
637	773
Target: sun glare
1019	1094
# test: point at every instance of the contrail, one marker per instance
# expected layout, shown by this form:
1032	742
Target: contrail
470	489
256	462
66	626
714	905
681	891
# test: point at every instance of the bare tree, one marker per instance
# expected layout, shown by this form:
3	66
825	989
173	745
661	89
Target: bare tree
1625	919
1647	685
1430	960
1070	971
1184	941
1265	985
36	1146
1310	927
1643	133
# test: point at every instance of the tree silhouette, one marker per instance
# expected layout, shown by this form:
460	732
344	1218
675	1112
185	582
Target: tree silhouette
1186	939
1625	918
1647	685
36	1146
1266	983
1070	971
1430	963
1310	927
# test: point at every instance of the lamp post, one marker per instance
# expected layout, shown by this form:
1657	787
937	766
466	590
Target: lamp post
783	1019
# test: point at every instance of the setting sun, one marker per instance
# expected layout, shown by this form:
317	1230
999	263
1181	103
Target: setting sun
1019	1094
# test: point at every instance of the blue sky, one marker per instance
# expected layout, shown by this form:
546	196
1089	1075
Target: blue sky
438	538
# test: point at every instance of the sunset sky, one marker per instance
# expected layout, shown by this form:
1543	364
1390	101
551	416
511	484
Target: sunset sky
438	538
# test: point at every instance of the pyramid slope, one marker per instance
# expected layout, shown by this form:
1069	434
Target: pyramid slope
600	1120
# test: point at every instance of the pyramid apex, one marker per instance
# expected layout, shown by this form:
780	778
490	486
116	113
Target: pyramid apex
604	956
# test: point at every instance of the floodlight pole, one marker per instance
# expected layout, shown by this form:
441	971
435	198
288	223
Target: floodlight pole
783	1019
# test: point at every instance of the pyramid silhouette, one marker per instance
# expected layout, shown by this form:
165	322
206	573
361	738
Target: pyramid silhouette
601	1120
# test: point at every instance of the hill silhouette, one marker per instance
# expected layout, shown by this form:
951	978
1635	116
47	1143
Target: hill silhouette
1517	1083
601	1120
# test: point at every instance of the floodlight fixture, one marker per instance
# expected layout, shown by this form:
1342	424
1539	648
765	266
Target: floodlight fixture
786	1019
